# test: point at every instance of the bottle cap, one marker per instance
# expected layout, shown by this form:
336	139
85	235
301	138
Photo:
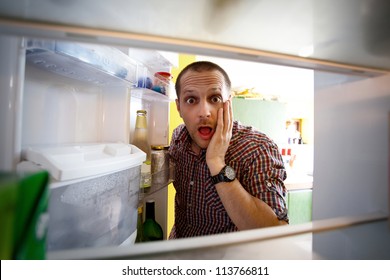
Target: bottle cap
141	111
157	147
160	147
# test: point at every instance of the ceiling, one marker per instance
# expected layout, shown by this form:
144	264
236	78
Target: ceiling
338	34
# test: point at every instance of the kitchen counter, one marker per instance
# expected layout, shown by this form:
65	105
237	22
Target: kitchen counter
298	181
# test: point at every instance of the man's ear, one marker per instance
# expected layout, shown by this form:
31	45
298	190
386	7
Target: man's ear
178	106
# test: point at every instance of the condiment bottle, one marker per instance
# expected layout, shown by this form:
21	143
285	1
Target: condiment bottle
140	140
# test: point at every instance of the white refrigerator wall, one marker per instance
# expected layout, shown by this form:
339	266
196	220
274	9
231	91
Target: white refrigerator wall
59	110
12	56
351	151
351	163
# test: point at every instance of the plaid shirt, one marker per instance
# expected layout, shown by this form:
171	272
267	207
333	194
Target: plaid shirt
259	168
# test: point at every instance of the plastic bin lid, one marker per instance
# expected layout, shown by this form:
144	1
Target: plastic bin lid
69	162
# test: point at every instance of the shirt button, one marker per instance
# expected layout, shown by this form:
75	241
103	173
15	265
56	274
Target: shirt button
269	184
189	205
191	183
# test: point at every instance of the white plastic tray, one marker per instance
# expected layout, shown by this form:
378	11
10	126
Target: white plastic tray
70	162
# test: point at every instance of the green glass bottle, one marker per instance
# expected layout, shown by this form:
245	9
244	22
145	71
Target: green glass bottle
140	227
152	230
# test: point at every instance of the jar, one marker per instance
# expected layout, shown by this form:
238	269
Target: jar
161	82
160	165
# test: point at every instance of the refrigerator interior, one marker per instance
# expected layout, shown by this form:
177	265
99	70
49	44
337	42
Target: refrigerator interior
89	99
76	95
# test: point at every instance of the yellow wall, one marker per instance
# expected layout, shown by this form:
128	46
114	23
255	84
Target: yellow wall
174	121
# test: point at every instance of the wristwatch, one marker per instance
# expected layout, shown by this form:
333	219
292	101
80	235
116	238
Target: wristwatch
227	174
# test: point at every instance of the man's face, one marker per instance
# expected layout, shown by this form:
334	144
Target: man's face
202	94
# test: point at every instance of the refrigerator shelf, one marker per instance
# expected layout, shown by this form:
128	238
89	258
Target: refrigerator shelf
149	95
144	193
96	64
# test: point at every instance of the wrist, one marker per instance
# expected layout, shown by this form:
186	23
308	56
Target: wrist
215	168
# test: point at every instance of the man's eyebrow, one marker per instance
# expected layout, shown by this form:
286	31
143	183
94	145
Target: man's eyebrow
188	91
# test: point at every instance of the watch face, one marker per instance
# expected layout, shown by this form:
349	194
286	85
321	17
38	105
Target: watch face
227	174
230	173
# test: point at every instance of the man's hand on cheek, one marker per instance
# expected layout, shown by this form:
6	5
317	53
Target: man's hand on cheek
219	143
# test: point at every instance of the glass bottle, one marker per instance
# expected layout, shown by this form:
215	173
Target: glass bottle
141	140
159	166
152	229
140	227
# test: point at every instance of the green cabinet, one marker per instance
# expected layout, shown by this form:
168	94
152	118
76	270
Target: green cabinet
267	116
299	203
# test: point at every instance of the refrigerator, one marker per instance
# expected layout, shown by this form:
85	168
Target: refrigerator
354	184
69	108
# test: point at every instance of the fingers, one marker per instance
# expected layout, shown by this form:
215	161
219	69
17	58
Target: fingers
220	141
225	119
228	116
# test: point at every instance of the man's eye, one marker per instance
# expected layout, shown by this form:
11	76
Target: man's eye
190	100
216	99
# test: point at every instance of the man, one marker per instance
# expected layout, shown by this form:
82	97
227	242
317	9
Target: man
228	177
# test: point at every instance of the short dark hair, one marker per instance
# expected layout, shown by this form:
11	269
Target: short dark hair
200	66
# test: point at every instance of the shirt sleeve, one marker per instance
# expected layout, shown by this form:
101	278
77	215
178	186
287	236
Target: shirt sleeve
265	177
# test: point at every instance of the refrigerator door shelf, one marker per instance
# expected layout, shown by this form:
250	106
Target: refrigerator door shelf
79	161
150	95
96	64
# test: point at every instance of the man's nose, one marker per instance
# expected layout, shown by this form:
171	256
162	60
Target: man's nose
204	109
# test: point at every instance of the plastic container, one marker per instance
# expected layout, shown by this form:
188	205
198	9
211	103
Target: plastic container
96	212
161	82
93	193
145	78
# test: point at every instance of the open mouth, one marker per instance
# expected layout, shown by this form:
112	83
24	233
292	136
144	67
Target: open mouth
205	132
